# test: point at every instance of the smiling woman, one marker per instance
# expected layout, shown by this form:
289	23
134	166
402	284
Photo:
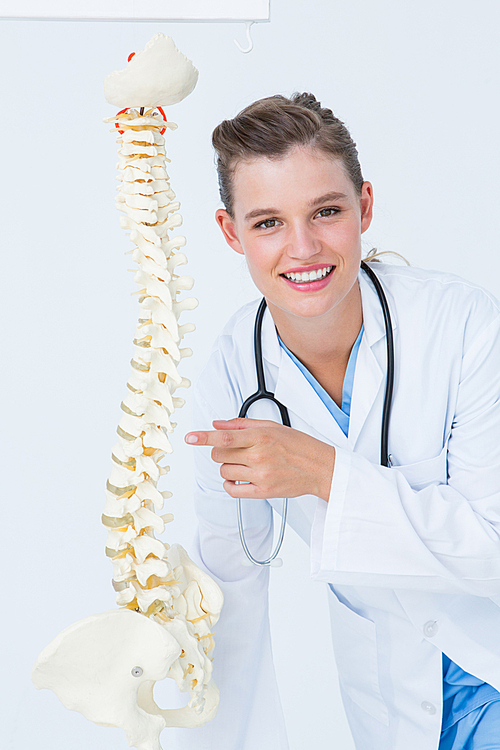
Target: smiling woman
312	228
408	552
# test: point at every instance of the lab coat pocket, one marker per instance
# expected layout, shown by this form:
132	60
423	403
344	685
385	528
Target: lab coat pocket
423	473
355	647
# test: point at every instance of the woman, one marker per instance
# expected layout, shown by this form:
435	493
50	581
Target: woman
411	553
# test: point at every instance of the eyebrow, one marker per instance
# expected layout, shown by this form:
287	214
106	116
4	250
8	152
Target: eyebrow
326	198
260	212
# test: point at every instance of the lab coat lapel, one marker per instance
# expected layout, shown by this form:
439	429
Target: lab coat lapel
368	379
371	365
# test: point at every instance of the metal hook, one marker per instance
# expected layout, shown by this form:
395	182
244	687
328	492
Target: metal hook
249	39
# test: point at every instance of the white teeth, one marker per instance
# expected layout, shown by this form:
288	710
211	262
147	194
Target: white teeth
309	276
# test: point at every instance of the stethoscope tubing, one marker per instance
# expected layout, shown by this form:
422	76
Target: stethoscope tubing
263	394
385	457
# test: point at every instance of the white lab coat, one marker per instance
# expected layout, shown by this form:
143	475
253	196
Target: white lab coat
412	553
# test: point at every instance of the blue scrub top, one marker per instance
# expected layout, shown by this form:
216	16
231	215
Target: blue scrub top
341	415
463	694
471	711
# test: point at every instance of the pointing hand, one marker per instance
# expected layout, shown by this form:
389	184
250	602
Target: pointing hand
275	460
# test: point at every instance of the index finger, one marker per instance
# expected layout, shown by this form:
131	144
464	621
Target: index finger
221	438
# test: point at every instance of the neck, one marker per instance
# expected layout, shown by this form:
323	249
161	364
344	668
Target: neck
324	339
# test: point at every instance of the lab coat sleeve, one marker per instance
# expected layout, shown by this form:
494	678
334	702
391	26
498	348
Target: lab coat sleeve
249	714
378	531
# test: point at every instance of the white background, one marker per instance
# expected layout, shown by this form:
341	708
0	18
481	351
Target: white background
137	9
416	82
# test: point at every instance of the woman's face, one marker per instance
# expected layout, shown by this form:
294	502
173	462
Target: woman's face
298	215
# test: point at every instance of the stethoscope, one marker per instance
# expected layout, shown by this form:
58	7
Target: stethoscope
262	393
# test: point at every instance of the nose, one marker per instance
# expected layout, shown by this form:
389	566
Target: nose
302	243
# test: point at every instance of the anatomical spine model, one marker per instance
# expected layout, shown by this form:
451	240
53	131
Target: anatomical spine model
106	665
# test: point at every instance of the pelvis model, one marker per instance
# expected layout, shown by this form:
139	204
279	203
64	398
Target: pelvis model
106	665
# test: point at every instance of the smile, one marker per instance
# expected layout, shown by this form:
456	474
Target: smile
307	277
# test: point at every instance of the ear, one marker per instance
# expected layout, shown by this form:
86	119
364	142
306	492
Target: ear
227	226
366	202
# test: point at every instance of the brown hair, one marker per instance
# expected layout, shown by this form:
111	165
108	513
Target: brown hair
270	127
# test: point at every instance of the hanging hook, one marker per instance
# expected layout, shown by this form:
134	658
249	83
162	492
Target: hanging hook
249	39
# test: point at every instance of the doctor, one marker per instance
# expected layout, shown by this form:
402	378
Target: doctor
411	553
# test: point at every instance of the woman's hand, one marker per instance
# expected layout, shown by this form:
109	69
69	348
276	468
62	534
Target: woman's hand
277	461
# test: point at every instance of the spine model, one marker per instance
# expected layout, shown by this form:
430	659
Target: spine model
144	577
106	665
